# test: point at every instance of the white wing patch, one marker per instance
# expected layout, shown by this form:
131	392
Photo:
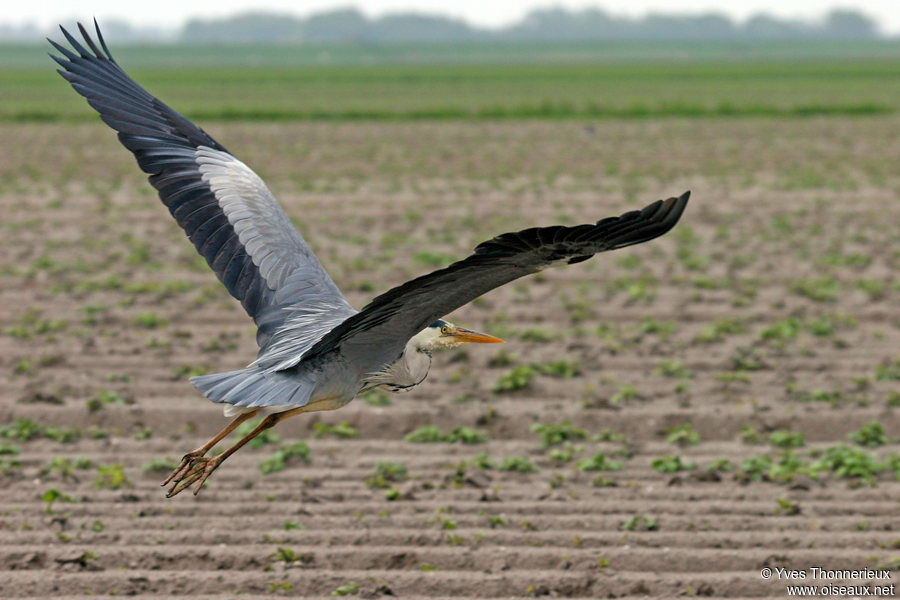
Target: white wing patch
307	302
259	221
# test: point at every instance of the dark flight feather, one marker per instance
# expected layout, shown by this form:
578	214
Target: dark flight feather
400	313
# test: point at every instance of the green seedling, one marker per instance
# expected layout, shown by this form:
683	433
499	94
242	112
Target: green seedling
160	465
519	464
673	368
348	589
385	474
784	438
517	379
870	434
625	393
278	460
21	430
787	507
671	463
560	368
65	467
52	495
639	523
599	462
552	434
427	434
683	435
111	477
342	430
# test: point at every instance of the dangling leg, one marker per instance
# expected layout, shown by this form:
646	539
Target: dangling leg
200	468
190	456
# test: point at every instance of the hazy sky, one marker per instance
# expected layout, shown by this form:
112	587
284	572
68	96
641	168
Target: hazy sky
171	13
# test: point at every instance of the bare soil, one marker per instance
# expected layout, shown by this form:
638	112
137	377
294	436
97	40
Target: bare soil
104	311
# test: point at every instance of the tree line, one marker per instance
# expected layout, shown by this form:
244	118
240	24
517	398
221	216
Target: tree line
548	24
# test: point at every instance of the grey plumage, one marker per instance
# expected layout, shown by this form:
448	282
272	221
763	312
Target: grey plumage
223	206
314	348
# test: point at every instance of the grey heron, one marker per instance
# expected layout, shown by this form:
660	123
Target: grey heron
316	352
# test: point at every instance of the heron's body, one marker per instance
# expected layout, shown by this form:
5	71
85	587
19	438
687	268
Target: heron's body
316	352
336	377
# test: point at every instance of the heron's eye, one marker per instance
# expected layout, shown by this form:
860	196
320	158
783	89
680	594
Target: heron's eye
445	329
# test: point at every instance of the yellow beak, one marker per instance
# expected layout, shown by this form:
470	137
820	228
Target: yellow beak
467	335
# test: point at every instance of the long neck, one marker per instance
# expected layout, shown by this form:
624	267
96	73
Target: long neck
407	371
412	368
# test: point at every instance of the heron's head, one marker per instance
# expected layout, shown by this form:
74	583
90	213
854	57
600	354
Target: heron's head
441	334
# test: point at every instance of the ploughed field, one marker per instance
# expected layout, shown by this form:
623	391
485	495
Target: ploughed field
664	420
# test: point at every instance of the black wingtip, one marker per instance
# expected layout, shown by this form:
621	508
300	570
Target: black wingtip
675	208
652	221
102	41
89	41
678	206
80	50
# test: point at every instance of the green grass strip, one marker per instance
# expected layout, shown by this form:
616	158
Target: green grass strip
539	111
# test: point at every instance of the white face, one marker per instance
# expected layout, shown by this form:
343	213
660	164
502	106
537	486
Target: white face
431	338
441	335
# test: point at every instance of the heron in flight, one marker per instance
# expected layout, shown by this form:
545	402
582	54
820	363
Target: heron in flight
316	352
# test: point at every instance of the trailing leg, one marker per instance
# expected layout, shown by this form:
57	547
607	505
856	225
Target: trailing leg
200	468
188	458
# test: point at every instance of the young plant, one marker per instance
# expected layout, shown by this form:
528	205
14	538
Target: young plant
671	463
519	464
784	438
160	465
105	397
428	434
673	368
21	430
599	462
385	474
719	330
111	477
625	393
64	466
466	435
552	434
870	434
851	463
278	460
518	378
639	523
817	289
683	435
342	430
560	368
51	496
787	507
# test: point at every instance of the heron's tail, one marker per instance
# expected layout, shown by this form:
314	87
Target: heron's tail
253	388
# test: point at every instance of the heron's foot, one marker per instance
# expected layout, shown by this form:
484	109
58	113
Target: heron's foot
182	468
199	469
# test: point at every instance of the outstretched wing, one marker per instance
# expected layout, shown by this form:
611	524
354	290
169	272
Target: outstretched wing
225	209
397	315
